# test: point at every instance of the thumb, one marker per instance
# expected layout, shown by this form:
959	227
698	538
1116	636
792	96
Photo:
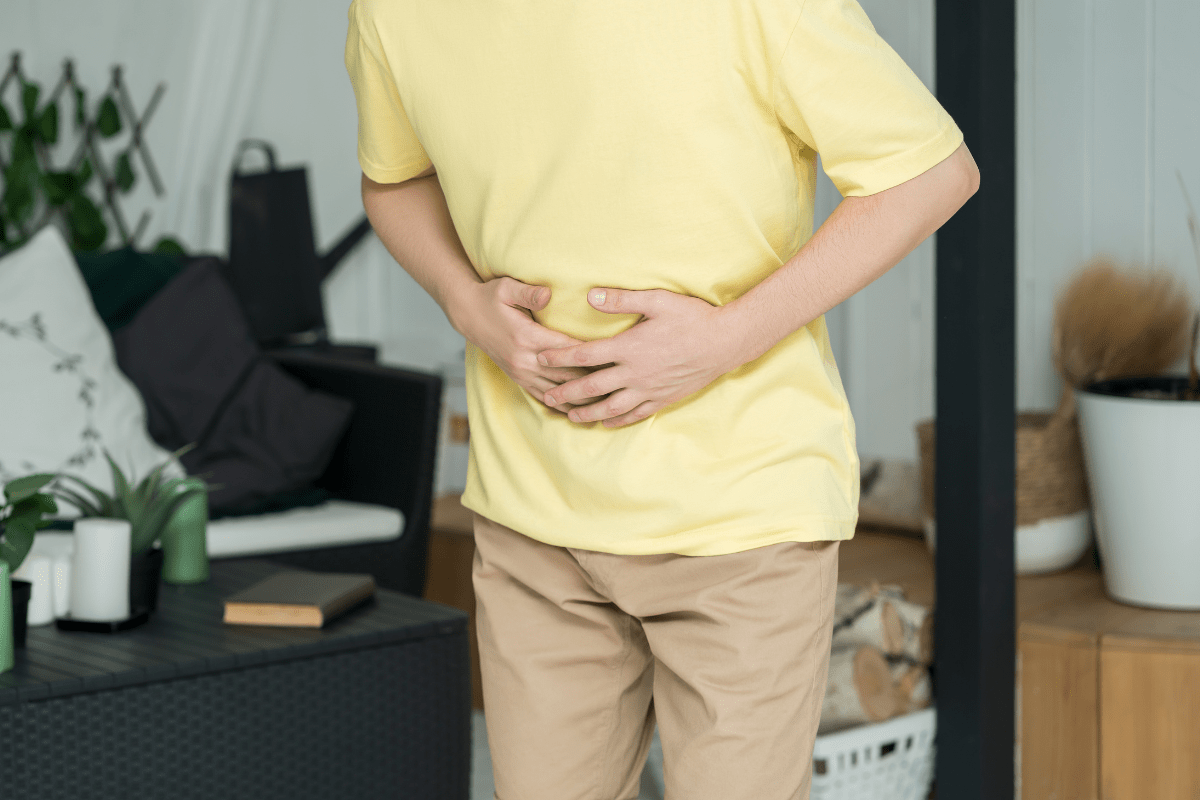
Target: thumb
526	295
626	301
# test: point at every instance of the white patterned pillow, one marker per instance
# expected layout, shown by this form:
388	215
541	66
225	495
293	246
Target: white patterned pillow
62	398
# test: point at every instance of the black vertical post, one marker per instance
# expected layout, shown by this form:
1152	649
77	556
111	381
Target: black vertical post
976	265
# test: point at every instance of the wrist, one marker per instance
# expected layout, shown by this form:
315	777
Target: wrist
742	333
461	307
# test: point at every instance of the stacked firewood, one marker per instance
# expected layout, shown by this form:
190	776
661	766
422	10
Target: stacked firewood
879	666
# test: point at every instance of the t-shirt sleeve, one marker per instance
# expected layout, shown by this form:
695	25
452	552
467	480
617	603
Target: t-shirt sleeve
845	93
388	148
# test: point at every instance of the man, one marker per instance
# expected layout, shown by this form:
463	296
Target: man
619	223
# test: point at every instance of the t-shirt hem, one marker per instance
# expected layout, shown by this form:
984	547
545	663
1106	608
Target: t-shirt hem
692	543
410	169
896	169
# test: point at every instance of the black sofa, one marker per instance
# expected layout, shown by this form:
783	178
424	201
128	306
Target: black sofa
386	457
177	328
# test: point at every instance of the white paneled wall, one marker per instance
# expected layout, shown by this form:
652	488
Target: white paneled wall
1108	109
883	337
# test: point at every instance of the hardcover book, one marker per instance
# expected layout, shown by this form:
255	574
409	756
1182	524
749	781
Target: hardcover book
298	599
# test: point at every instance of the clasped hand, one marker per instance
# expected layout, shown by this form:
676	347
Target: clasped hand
680	345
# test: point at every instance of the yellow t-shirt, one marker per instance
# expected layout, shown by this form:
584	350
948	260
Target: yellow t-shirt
666	145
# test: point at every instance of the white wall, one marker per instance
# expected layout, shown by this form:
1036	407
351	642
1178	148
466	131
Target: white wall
1108	107
235	69
883	337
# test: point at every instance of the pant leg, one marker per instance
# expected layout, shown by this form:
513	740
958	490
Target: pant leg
567	675
741	647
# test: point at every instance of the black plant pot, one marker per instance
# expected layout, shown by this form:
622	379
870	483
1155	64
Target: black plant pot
145	572
20	609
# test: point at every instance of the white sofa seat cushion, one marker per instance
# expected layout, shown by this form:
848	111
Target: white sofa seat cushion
332	523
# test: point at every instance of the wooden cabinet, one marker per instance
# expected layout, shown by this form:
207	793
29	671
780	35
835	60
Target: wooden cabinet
1108	694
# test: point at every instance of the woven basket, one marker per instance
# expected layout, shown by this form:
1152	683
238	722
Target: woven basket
1051	481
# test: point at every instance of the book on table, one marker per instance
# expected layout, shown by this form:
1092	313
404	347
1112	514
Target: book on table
299	599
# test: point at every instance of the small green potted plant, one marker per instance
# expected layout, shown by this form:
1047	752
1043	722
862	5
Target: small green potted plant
21	515
173	511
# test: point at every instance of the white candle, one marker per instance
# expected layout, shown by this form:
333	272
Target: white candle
62	585
100	570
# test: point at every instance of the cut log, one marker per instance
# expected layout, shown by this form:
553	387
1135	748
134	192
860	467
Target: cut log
859	689
916	623
878	625
913	688
863	615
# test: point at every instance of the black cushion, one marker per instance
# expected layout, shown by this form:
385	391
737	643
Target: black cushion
122	281
260	432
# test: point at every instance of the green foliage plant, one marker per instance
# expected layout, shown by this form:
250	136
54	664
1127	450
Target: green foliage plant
148	504
33	192
21	515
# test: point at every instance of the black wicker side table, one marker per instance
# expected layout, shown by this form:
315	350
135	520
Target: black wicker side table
375	705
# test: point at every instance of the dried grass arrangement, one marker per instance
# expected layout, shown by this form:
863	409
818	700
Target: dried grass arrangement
1116	323
1121	323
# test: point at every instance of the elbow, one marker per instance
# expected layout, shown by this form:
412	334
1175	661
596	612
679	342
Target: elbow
972	182
968	173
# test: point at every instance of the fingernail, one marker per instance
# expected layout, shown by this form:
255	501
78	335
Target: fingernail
542	360
599	296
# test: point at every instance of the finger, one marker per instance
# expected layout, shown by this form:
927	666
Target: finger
523	295
646	302
538	388
588	354
618	403
565	374
597	384
638	414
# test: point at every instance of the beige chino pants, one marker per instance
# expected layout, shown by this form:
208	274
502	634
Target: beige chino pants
581	651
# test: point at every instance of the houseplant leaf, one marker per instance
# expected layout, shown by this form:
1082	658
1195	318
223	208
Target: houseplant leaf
47	126
29	98
6	123
121	489
18	489
59	186
124	172
104	503
18	538
33	507
168	246
21	179
173	494
85	172
86	507
18	200
88	231
108	119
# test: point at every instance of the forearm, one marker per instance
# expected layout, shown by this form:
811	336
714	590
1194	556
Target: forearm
413	222
861	240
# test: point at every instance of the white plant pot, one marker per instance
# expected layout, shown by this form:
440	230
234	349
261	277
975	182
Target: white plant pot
1143	463
1048	545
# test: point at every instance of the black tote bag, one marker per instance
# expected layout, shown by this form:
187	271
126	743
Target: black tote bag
273	264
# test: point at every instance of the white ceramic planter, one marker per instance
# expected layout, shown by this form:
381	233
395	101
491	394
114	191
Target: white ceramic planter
1143	463
1048	545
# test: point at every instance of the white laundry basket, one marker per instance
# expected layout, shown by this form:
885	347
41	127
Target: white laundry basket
891	760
